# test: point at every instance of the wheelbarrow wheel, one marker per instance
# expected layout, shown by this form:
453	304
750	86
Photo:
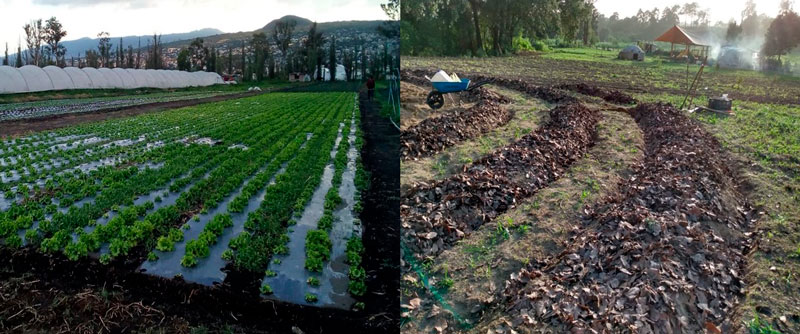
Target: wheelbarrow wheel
435	100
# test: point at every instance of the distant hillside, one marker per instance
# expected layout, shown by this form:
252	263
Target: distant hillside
300	29
79	46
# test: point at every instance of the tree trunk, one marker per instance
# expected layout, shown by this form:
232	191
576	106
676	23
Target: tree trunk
478	43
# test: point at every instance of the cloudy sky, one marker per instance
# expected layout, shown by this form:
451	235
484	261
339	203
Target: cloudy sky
721	10
85	18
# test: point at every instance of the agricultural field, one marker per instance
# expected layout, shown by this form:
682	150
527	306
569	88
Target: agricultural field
45	108
571	195
224	212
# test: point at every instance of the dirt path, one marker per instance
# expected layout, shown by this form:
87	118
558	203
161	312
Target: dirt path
380	217
25	126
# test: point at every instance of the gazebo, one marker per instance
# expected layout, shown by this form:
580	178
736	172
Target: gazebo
676	35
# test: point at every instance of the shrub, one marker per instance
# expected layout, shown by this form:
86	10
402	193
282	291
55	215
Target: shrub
519	43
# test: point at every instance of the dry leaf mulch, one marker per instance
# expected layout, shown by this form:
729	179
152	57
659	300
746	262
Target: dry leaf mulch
437	215
664	255
609	95
435	134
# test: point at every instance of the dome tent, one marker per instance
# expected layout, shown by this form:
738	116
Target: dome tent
79	78
59	78
11	81
632	52
36	78
735	57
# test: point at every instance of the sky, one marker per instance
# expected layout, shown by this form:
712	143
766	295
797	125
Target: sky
721	10
86	18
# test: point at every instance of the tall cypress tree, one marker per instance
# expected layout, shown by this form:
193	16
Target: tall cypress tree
332	59
19	57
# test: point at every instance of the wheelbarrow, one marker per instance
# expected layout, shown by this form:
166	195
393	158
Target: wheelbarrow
435	98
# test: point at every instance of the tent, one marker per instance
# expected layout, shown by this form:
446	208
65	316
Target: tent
341	75
11	81
677	35
632	52
735	57
36	78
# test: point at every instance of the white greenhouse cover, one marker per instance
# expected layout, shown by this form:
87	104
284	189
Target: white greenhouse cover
11	81
36	79
31	78
113	79
98	79
128	81
59	78
79	78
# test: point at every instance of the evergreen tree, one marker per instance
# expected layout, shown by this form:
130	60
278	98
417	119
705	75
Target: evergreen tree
5	59
230	60
18	63
332	59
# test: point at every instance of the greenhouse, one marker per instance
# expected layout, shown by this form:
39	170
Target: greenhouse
31	78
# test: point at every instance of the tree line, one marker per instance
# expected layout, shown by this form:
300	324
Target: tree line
265	55
276	54
490	27
498	27
44	47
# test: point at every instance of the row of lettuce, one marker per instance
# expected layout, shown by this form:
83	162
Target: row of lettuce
58	204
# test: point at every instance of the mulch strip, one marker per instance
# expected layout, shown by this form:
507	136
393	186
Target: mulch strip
437	215
666	254
435	134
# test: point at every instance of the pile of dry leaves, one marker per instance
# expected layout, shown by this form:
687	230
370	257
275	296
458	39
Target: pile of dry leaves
434	134
664	255
609	95
437	215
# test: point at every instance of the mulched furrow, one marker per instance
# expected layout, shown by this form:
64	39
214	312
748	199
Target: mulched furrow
609	95
437	215
664	255
433	135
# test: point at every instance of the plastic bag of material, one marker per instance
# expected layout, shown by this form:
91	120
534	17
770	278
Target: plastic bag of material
441	76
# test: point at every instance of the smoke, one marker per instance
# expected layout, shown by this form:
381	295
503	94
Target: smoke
743	52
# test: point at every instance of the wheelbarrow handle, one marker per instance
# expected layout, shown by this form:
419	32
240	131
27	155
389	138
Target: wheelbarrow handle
475	85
